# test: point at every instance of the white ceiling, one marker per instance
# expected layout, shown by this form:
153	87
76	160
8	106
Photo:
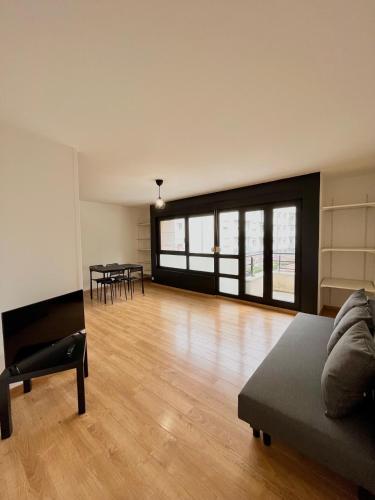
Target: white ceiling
205	94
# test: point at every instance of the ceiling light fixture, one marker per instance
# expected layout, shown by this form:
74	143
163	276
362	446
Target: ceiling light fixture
159	203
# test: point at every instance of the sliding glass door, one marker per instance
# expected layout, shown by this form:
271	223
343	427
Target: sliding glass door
271	254
257	254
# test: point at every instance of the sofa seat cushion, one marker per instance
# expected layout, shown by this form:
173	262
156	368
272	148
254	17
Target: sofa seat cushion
283	398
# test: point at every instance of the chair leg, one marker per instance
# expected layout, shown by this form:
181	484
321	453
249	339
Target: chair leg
126	294
81	389
256	433
111	287
27	386
5	410
266	439
97	291
86	364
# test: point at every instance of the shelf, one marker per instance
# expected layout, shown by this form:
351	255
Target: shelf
143	224
366	250
346	284
143	249
143	239
351	205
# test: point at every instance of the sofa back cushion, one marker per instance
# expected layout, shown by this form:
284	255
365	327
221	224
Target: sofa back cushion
357	298
371	304
349	372
354	315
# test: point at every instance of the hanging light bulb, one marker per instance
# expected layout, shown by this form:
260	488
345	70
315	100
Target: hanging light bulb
159	203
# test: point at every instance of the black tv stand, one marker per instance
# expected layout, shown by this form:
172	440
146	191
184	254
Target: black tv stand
27	385
78	362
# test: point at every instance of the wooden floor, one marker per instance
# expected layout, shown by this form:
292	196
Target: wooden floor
161	421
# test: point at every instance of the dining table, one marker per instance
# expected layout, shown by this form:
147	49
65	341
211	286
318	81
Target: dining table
107	269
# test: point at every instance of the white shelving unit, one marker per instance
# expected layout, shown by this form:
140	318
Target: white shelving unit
144	246
340	227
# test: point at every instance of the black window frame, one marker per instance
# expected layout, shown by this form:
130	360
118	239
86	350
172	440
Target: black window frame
186	252
304	189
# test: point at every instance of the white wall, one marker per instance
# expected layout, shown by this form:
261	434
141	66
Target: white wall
109	234
347	229
39	219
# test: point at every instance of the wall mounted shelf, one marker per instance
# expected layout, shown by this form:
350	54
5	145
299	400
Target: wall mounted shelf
144	239
351	205
348	284
366	250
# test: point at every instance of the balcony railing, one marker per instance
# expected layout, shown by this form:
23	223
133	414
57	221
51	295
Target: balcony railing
284	262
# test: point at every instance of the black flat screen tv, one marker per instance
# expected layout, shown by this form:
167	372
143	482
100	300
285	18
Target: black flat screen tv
31	328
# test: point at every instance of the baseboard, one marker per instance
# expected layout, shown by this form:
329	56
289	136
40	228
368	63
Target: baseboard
329	311
224	297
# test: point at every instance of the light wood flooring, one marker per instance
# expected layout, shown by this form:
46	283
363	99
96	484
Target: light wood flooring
161	421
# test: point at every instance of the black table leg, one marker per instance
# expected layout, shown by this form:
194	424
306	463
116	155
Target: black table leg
27	386
143	288
86	364
91	284
81	389
105	294
5	410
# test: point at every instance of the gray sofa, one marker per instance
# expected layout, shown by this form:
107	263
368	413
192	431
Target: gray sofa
283	399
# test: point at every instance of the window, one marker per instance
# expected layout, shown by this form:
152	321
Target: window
176	261
228	285
201	234
205	264
172	235
284	253
228	233
251	253
254	258
173	251
228	266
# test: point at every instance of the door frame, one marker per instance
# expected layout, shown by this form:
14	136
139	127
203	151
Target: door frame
268	251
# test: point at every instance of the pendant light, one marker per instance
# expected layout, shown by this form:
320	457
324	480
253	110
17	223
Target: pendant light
159	203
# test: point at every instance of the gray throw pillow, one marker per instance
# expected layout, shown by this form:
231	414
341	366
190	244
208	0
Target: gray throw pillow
349	371
353	316
357	298
371	305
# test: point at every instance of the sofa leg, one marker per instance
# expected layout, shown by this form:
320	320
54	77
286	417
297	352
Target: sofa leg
266	439
364	494
256	433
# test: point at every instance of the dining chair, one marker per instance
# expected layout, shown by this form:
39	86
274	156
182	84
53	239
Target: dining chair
135	275
118	278
102	282
122	278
